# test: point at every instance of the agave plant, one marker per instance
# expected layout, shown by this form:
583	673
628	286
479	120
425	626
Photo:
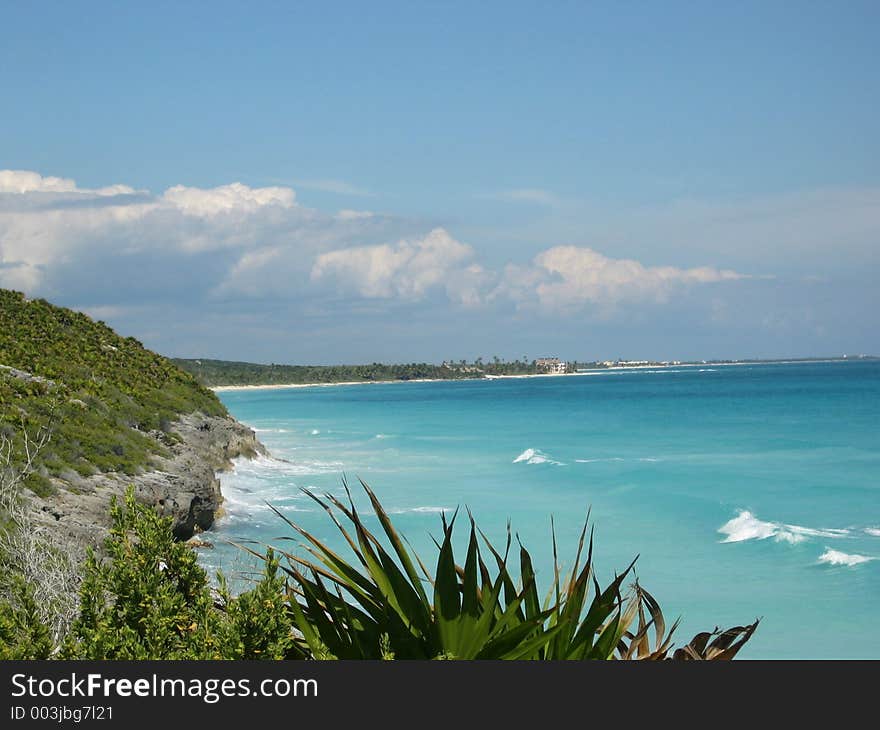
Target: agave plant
390	606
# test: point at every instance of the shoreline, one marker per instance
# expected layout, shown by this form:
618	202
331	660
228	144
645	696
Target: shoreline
280	386
593	372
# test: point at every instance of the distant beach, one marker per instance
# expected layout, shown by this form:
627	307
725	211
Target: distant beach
279	386
596	371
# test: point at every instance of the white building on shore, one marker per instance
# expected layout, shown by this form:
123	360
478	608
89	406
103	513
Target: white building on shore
551	365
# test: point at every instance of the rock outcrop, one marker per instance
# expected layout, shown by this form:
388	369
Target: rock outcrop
184	485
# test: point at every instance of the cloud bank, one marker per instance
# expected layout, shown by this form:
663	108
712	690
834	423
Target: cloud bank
566	278
222	243
407	270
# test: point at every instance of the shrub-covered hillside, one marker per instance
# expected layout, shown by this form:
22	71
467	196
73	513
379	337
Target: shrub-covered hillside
100	392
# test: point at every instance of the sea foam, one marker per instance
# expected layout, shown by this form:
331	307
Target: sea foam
266	464
835	557
535	456
422	510
253	483
875	531
746	526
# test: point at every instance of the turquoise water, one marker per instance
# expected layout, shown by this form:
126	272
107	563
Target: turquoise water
747	490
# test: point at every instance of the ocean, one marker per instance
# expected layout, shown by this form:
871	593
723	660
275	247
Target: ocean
746	491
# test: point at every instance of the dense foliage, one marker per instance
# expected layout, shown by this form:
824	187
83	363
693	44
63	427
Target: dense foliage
23	634
101	393
225	372
151	600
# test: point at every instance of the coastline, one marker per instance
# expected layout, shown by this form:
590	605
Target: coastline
280	386
596	371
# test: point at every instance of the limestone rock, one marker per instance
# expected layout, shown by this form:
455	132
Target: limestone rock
183	486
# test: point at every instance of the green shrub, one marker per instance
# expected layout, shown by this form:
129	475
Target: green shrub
151	600
22	633
258	625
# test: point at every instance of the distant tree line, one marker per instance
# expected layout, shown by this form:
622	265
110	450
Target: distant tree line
225	372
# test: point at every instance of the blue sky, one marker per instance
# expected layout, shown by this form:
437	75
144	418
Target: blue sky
397	181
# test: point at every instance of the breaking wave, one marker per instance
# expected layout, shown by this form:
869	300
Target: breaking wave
262	463
535	456
746	526
241	503
835	557
253	482
875	531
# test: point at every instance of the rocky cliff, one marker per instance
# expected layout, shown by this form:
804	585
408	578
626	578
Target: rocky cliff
184	485
119	415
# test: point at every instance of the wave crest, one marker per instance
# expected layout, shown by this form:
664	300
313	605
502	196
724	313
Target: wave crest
835	557
261	465
535	456
746	526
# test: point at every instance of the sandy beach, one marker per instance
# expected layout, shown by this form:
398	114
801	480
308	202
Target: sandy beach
279	386
598	371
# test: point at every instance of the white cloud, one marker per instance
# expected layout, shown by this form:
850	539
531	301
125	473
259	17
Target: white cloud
44	220
234	198
234	240
47	222
26	181
565	278
406	270
19	275
468	286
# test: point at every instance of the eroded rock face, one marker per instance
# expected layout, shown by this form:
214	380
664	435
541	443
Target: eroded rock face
183	486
